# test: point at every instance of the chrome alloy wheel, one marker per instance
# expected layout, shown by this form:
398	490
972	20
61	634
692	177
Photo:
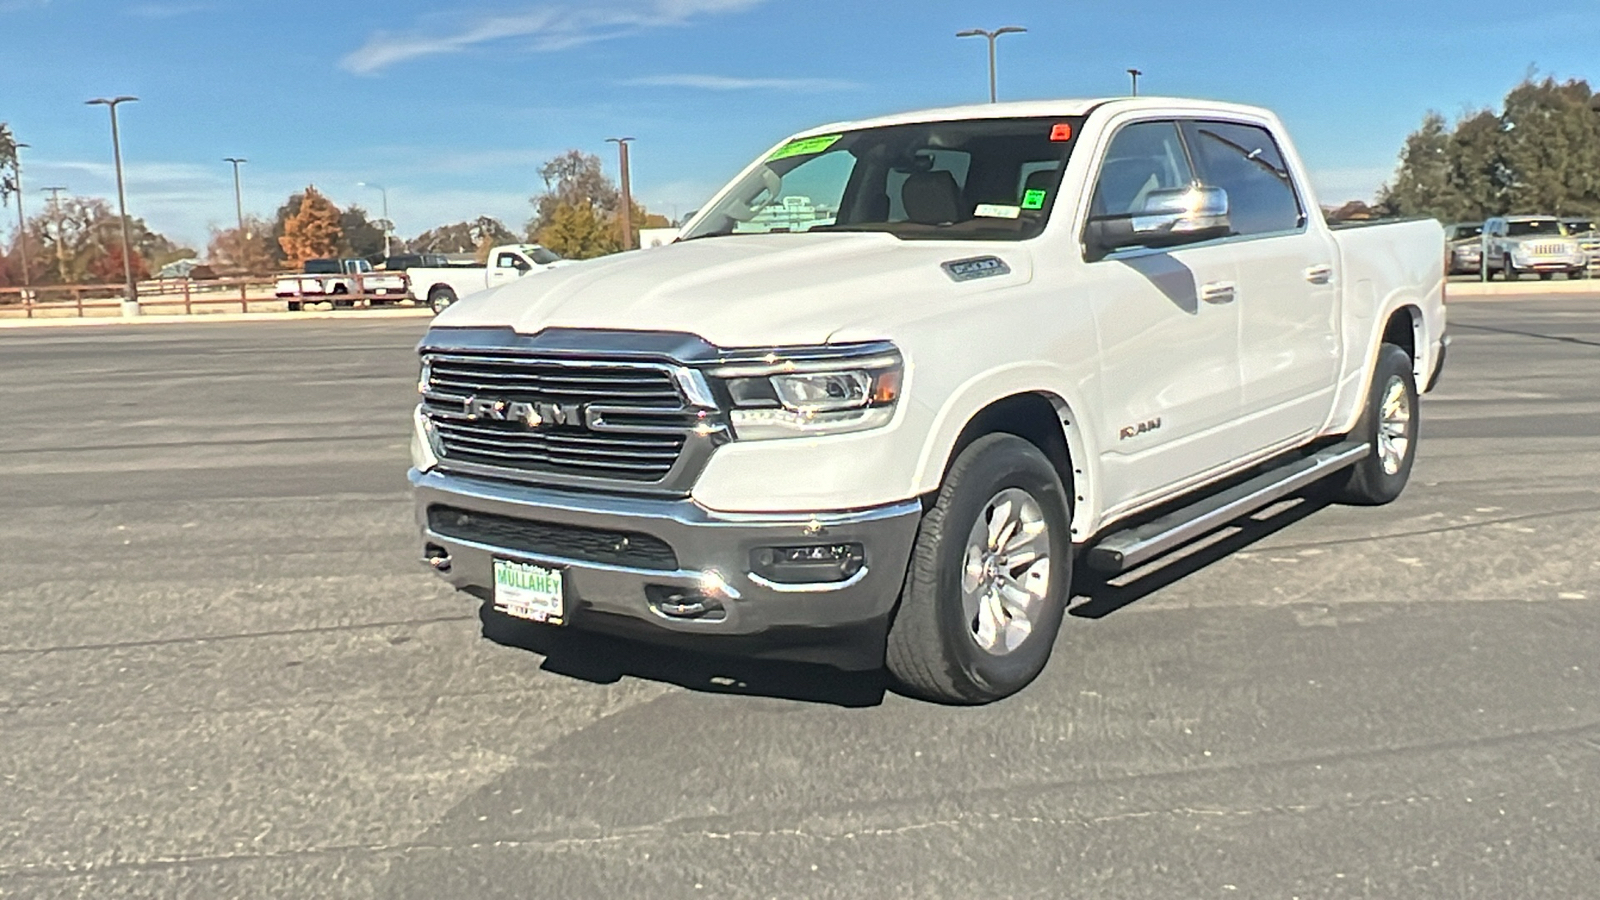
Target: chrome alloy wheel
1005	573
1394	425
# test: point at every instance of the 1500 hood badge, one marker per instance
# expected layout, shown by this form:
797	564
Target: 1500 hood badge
976	267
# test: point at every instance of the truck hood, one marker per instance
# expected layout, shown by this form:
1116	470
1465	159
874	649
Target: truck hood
744	290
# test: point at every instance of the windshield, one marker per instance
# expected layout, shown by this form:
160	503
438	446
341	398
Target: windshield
542	256
1459	232
975	179
322	267
1579	226
1537	226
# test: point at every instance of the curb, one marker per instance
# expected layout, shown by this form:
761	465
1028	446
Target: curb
102	321
1478	289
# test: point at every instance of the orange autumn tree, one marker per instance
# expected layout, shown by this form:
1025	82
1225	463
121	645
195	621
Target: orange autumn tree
313	232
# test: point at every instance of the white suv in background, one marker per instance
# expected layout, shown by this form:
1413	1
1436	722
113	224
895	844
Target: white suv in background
1516	244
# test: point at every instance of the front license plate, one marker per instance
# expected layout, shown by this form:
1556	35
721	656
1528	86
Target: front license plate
527	591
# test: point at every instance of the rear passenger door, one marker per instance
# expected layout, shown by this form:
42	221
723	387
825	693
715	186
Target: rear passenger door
1287	299
1169	375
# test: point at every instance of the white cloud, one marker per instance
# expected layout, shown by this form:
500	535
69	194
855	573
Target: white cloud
167	10
542	29
728	83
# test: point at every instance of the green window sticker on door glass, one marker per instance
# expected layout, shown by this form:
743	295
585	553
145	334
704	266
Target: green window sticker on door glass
805	146
1034	199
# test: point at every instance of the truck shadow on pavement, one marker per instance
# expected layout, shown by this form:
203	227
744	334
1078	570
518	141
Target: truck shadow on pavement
604	659
1095	596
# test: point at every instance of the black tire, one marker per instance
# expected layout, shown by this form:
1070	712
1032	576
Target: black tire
1371	481
440	299
1509	271
933	648
1547	276
294	306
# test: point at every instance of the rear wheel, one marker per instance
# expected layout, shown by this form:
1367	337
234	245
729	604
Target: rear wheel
440	299
1510	271
988	582
1546	276
294	306
1389	426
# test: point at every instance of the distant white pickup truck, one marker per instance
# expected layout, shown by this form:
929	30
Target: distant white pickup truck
440	287
901	377
339	282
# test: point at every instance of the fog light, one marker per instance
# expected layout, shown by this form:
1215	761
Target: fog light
817	564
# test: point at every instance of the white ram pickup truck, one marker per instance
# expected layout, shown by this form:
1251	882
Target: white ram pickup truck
440	287
901	377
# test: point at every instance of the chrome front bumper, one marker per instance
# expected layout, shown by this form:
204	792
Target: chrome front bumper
841	623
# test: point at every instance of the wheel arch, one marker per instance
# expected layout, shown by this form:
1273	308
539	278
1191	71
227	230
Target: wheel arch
1040	416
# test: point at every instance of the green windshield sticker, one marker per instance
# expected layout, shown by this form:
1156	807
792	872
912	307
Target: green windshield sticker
1034	199
805	146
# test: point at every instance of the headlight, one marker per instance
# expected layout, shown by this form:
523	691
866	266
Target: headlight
813	391
424	452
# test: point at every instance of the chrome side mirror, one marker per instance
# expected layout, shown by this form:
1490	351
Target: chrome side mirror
1170	218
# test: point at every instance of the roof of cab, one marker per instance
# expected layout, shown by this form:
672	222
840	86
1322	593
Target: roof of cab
1028	109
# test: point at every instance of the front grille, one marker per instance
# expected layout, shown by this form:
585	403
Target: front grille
616	548
1547	248
575	420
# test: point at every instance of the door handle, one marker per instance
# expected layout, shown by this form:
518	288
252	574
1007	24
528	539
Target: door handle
1219	292
1322	274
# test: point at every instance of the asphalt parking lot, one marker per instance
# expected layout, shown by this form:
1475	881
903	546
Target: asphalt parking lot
224	674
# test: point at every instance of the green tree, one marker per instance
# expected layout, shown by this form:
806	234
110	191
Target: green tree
313	232
363	236
1540	154
1551	149
576	231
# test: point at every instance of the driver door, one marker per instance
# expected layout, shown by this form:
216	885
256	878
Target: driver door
508	266
1168	332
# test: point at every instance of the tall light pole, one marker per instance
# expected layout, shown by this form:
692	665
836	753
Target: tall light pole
384	191
627	191
991	35
61	248
130	302
1134	74
22	221
238	195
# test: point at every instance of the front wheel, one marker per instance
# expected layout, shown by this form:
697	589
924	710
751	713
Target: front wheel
440	299
989	577
1510	271
1389	426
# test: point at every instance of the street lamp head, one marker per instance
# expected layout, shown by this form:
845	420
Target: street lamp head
622	140
236	160
113	101
1011	29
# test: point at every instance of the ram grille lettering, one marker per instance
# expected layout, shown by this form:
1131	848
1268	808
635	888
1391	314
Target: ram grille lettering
528	414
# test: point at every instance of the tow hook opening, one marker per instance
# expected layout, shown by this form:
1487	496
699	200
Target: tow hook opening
437	558
685	604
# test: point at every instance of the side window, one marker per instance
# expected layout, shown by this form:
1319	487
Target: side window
1143	157
1245	161
509	261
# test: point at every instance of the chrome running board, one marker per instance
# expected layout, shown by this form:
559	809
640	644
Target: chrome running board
1123	550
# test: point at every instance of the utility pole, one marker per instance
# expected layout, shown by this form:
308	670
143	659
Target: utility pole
385	192
1134	74
238	196
130	301
61	248
992	36
627	191
22	222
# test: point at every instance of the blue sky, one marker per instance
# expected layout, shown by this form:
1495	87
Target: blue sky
453	106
